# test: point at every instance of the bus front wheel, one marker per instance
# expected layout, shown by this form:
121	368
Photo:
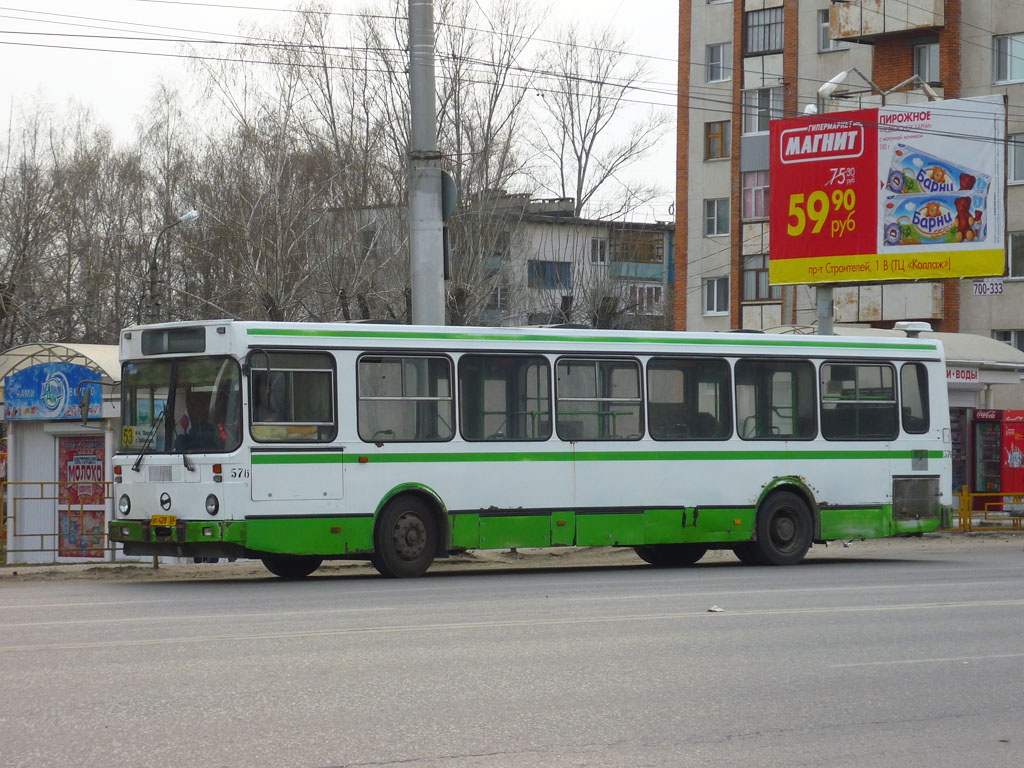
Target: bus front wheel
292	566
405	540
784	530
671	555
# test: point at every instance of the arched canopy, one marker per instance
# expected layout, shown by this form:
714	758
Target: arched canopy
101	358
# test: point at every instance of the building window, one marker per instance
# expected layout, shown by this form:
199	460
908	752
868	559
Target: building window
1015	156
716	140
763	31
755	280
1015	254
825	41
716	63
716	216
759	106
1013	338
1008	58
639	247
716	296
645	299
926	62
598	250
499	299
549	274
755	195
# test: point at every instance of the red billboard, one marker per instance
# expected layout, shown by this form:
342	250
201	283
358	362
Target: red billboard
896	193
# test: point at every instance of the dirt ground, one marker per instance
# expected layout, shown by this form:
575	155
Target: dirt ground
574	557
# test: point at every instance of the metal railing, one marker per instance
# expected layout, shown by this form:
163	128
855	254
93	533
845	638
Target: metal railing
50	516
988	511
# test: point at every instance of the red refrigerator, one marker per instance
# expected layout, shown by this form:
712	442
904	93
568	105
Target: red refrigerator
998	454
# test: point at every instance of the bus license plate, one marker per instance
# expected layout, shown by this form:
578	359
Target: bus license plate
168	520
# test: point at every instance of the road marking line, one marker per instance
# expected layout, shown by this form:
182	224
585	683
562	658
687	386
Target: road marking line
503	625
936	660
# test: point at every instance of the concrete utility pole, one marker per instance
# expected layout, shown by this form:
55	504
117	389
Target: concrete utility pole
426	245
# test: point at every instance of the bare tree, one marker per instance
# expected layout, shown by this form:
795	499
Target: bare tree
584	99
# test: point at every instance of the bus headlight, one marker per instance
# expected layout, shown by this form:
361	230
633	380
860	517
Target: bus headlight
212	505
124	504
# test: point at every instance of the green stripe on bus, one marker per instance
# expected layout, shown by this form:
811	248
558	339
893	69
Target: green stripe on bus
728	341
298	458
454	458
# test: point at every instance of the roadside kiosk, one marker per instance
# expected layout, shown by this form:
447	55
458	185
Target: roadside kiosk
56	496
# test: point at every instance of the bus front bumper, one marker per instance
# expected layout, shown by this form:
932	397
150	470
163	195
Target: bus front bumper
185	538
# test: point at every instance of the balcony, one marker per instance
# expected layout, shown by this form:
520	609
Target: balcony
864	21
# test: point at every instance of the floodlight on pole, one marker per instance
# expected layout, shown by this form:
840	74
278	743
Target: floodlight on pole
153	303
826	89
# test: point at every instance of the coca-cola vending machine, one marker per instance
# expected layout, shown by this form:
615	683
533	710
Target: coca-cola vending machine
998	454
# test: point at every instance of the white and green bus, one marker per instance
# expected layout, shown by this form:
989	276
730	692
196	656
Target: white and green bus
297	443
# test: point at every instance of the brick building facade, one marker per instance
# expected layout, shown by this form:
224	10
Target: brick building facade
745	62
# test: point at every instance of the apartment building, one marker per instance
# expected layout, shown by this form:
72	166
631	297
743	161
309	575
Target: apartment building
552	267
745	62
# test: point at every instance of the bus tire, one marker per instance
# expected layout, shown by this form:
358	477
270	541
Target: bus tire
292	566
405	539
784	529
747	554
671	555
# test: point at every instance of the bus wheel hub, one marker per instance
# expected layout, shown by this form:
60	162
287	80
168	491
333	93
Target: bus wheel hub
410	535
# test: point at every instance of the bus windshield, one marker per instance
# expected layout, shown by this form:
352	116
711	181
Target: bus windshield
181	406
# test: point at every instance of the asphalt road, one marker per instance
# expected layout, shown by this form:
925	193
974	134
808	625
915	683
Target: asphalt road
905	654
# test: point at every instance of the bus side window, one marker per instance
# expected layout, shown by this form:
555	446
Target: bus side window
504	397
291	399
405	398
775	399
688	399
858	401
598	399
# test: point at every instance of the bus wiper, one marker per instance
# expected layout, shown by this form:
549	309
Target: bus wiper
156	425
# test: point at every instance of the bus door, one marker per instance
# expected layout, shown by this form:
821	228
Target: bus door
293	424
599	410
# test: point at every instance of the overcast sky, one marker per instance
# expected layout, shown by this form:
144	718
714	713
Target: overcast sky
117	85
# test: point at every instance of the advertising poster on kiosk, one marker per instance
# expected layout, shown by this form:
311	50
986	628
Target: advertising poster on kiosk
81	509
894	193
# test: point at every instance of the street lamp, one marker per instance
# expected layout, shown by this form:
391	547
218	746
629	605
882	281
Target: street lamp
153	305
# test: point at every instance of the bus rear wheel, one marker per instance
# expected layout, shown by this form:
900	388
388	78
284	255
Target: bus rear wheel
292	566
405	540
671	555
784	530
